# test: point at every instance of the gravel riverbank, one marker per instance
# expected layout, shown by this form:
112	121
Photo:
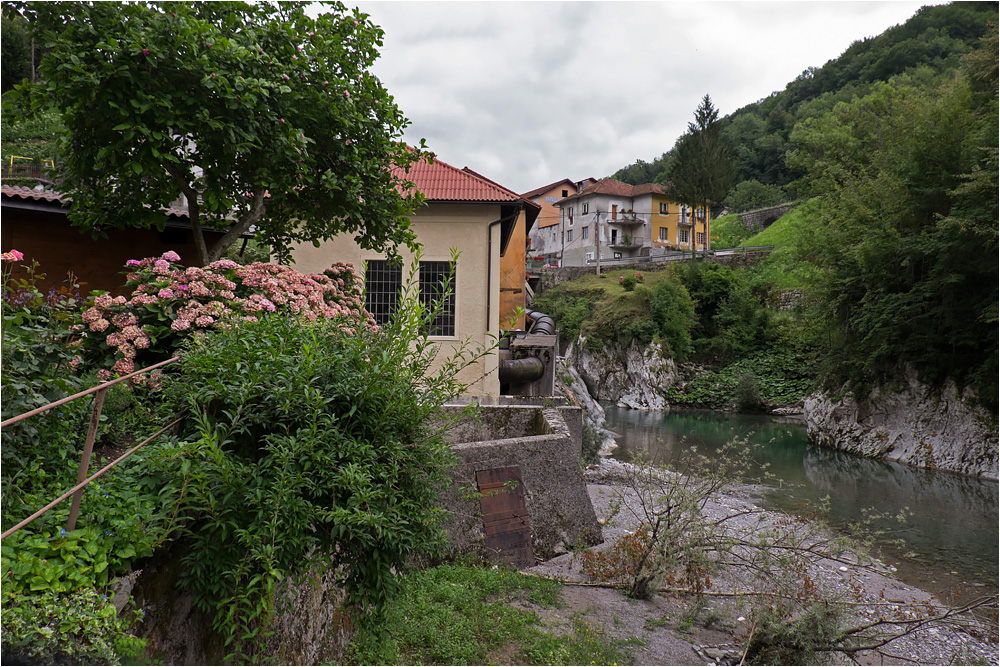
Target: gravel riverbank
677	631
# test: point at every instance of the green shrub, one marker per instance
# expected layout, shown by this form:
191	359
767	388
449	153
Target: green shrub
311	446
591	444
38	367
672	310
80	628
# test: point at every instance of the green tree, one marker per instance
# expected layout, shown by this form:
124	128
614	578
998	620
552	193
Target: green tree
259	115
15	50
752	194
703	170
907	243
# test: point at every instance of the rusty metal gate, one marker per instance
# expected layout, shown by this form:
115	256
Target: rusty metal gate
505	518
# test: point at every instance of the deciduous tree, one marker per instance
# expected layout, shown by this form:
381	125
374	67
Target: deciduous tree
262	117
907	234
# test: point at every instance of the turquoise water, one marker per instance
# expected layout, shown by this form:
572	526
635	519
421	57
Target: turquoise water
951	539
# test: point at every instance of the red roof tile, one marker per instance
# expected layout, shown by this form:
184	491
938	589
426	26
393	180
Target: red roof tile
439	181
545	188
609	186
24	192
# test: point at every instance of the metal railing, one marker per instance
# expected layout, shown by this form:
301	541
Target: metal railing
82	479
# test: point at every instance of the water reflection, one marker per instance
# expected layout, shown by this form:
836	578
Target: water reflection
954	522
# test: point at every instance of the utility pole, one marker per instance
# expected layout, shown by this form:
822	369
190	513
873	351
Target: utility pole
704	225
562	234
597	238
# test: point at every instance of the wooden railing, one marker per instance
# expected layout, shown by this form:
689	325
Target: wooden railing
82	479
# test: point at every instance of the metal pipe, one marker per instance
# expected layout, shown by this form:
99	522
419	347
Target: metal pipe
540	323
527	369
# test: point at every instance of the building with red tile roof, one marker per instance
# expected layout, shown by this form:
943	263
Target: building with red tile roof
486	224
616	220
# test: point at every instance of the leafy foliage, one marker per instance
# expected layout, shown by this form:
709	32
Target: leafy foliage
752	194
82	628
606	313
311	446
38	368
258	114
907	180
15	38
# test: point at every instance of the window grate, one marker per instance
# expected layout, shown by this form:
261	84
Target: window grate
382	284
437	283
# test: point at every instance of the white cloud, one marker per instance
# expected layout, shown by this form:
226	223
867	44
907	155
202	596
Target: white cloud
528	93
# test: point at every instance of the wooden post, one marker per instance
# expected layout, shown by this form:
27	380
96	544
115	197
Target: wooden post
88	448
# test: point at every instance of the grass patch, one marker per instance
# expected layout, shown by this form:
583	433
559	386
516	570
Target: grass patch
587	645
462	614
784	268
729	232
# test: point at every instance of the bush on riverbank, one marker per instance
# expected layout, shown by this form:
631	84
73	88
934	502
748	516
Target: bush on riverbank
752	356
307	439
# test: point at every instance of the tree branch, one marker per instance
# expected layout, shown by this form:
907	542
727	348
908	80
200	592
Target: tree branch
245	222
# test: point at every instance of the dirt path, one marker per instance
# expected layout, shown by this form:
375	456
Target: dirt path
674	631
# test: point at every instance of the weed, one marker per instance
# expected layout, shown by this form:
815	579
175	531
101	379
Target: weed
586	645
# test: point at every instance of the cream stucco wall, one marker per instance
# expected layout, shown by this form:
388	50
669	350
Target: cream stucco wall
439	228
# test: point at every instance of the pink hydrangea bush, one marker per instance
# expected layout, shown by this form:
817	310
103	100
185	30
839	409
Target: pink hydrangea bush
169	302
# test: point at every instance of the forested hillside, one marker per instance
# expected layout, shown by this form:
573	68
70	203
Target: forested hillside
928	48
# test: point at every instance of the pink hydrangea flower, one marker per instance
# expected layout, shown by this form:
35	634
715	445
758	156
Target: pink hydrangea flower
171	256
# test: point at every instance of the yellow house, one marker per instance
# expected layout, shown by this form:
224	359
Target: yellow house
674	225
486	223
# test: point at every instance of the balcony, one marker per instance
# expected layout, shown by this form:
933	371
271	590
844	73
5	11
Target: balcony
625	243
628	218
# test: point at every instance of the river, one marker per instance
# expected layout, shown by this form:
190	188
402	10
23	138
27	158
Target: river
951	535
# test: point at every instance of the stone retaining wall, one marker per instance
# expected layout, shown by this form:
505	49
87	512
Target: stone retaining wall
550	278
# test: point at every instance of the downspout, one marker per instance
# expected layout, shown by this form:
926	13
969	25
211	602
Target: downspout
489	271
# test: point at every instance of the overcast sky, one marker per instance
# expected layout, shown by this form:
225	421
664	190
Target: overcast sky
528	93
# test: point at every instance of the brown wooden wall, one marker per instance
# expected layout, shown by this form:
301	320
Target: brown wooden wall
58	247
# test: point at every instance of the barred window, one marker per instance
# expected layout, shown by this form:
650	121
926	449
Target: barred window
437	283
382	283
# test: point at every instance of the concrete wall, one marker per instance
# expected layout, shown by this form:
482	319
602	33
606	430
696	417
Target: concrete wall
542	442
311	626
441	227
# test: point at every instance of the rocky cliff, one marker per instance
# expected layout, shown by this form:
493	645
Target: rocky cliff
634	377
914	424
